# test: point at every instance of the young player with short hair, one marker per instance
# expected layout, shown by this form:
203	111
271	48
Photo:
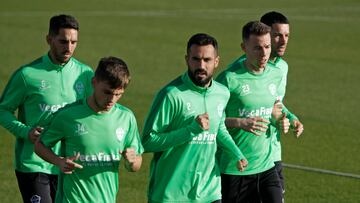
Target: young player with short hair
95	133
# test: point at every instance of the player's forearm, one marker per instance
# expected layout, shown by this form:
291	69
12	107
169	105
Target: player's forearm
227	144
233	122
47	154
157	142
135	166
289	114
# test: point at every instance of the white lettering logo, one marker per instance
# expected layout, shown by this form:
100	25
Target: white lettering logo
98	159
52	108
188	110
245	90
44	85
204	138
80	129
120	134
188	106
262	111
272	89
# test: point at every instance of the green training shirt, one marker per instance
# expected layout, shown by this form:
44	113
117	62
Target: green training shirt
183	167
250	95
36	90
98	138
283	66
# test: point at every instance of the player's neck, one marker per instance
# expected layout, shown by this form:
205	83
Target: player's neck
273	57
91	101
253	68
54	61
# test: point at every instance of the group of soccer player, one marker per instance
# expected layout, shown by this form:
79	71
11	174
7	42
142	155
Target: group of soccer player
212	140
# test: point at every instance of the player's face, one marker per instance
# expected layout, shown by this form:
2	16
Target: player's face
62	45
257	50
279	38
201	62
104	96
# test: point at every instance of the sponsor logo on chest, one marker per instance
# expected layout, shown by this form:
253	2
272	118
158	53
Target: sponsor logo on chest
52	108
204	138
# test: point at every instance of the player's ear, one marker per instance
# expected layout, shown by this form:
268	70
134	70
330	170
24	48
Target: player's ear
217	61
93	81
48	39
243	46
186	59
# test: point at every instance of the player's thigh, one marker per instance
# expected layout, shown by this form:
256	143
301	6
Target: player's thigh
235	188
34	187
279	170
270	188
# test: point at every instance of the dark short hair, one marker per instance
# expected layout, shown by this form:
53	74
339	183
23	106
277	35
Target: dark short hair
254	28
62	21
273	17
114	71
201	39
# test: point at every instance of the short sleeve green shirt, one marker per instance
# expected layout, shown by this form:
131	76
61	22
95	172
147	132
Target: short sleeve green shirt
98	138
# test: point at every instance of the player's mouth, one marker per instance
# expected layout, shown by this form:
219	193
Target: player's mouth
200	73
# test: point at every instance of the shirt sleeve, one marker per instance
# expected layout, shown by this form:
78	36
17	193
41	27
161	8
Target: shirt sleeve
133	138
88	86
289	114
54	132
157	135
226	143
13	98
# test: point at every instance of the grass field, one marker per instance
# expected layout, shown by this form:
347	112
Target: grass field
323	81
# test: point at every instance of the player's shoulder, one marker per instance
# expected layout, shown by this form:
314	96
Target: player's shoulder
80	64
220	88
234	70
172	88
281	64
121	109
69	108
35	64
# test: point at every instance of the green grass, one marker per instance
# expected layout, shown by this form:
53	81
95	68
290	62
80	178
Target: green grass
151	36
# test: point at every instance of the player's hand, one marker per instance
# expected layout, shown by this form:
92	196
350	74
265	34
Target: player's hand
298	128
203	121
34	133
241	164
284	123
67	165
129	155
254	125
277	110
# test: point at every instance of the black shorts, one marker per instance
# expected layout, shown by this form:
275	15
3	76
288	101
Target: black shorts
262	187
279	169
37	187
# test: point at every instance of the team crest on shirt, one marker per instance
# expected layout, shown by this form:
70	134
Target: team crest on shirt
44	85
220	109
120	134
272	89
80	129
245	90
80	88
